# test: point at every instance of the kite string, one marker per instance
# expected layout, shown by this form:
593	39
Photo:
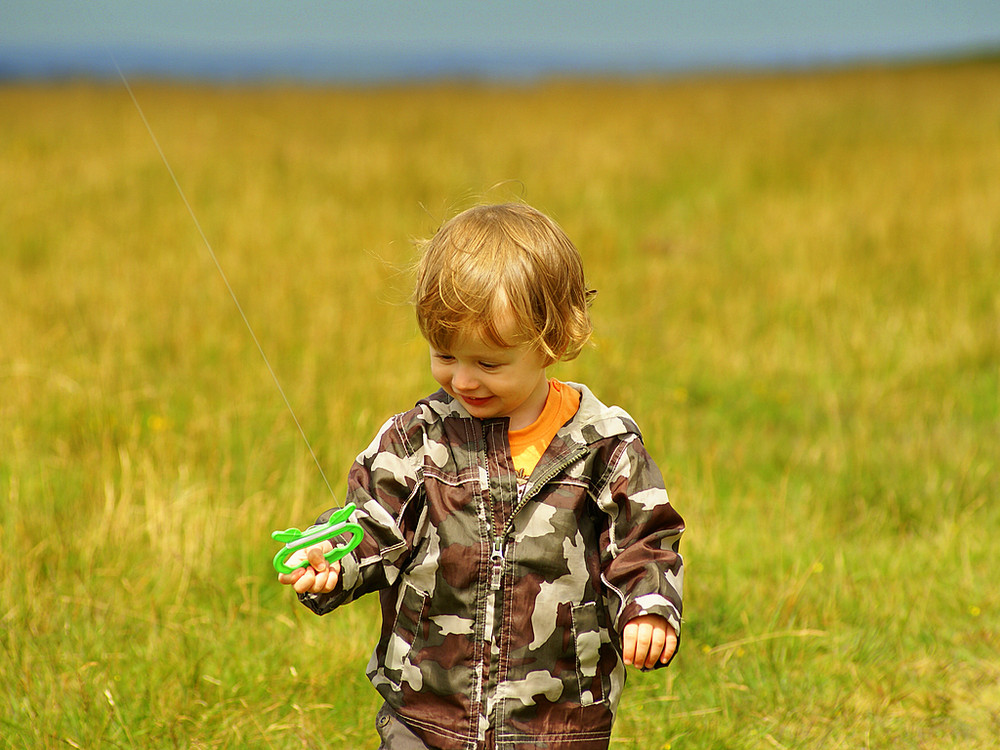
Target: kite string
222	273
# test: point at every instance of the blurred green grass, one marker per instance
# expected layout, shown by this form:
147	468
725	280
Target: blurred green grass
798	302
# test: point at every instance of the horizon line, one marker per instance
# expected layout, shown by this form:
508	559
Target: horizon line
367	64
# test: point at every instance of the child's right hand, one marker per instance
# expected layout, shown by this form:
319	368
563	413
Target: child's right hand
319	577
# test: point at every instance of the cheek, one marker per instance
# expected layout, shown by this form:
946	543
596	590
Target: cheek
502	387
440	374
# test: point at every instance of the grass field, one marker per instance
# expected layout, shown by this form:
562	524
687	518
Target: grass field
799	300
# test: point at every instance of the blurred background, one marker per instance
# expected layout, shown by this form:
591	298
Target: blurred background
378	41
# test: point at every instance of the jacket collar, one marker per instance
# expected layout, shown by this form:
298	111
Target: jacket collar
593	420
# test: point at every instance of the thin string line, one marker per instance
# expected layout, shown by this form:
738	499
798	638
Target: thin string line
222	273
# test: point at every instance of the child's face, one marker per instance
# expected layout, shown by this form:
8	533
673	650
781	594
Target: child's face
493	381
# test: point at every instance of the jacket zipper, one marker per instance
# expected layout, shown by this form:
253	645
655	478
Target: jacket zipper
497	556
542	481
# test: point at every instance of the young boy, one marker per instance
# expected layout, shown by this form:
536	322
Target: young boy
518	533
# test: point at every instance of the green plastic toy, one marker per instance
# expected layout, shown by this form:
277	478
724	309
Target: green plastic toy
295	540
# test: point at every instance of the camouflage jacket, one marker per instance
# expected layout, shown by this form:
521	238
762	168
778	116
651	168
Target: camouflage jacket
502	615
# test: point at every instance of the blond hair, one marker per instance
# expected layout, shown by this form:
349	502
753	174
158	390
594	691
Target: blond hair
503	263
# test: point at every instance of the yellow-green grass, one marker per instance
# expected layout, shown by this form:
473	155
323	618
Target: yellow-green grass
798	300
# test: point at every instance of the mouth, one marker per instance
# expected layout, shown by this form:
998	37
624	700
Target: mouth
476	401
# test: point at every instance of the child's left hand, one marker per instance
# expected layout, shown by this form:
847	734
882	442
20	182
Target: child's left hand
648	639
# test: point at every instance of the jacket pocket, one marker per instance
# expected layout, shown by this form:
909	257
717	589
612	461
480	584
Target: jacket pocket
587	639
407	637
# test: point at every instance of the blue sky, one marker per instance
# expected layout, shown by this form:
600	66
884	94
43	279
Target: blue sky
581	33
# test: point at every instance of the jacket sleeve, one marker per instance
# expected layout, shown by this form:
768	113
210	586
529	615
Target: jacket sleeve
641	563
382	483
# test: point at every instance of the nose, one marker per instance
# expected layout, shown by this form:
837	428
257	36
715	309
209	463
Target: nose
464	379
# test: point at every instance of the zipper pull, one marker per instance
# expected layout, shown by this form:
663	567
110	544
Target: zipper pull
497	559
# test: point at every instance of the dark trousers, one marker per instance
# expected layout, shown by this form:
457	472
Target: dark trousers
394	733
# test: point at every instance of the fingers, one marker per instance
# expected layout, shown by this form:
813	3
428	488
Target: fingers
287	579
635	642
653	639
314	580
670	646
643	644
646	640
319	577
315	557
629	637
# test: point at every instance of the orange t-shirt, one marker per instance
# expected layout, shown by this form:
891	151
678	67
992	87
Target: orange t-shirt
529	443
